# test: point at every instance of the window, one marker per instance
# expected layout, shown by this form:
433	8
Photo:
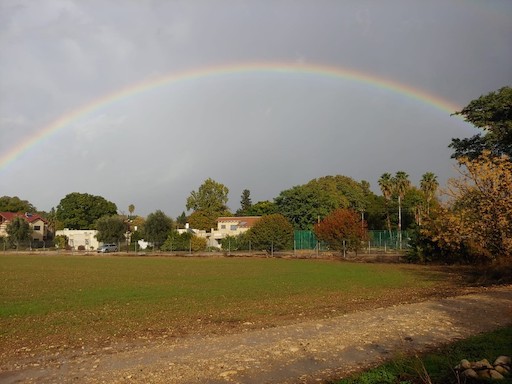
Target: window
223	226
37	227
233	227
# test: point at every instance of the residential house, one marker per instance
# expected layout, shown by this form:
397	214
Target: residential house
38	224
80	237
226	226
231	226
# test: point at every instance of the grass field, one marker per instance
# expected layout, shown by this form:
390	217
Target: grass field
90	300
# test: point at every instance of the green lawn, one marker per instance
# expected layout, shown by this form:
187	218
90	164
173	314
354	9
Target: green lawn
81	300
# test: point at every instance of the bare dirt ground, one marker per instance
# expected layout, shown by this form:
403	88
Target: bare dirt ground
306	352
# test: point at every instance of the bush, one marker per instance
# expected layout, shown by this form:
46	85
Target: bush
272	233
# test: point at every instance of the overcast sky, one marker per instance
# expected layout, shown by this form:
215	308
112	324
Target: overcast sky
261	131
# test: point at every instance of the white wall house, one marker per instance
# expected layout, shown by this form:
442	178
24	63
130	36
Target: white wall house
226	226
231	226
78	237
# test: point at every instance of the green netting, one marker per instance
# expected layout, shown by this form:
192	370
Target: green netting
377	239
305	240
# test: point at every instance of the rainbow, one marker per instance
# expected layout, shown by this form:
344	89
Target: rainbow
172	78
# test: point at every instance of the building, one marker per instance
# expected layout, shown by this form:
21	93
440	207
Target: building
80	237
38	224
231	226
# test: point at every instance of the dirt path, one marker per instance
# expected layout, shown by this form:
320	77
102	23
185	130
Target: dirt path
302	353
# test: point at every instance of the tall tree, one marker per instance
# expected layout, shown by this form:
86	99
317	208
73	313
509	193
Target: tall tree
157	227
210	197
18	230
245	203
429	185
386	187
131	209
81	210
210	200
493	114
401	184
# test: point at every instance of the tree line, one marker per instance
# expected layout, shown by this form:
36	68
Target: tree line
474	223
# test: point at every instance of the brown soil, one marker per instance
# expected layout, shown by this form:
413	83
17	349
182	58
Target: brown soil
304	350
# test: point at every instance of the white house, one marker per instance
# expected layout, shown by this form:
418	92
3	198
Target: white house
231	226
78	237
226	226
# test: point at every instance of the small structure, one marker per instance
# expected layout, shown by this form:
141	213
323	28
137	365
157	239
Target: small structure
80	237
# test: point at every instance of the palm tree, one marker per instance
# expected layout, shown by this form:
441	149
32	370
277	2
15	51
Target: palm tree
131	209
386	186
401	184
428	185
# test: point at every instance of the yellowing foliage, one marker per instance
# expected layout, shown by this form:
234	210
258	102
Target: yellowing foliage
478	218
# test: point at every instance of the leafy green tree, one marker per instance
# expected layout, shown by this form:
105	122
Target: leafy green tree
15	204
413	207
210	197
272	233
343	229
82	210
493	114
204	220
61	241
262	208
210	200
111	229
157	228
18	230
303	205
245	203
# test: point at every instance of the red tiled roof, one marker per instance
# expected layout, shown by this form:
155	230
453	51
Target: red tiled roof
243	221
30	217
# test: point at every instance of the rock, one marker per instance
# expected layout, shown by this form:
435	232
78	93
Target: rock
465	364
228	373
502	360
484	374
482	364
495	375
501	369
470	373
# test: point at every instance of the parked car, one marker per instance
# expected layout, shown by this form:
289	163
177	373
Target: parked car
106	248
